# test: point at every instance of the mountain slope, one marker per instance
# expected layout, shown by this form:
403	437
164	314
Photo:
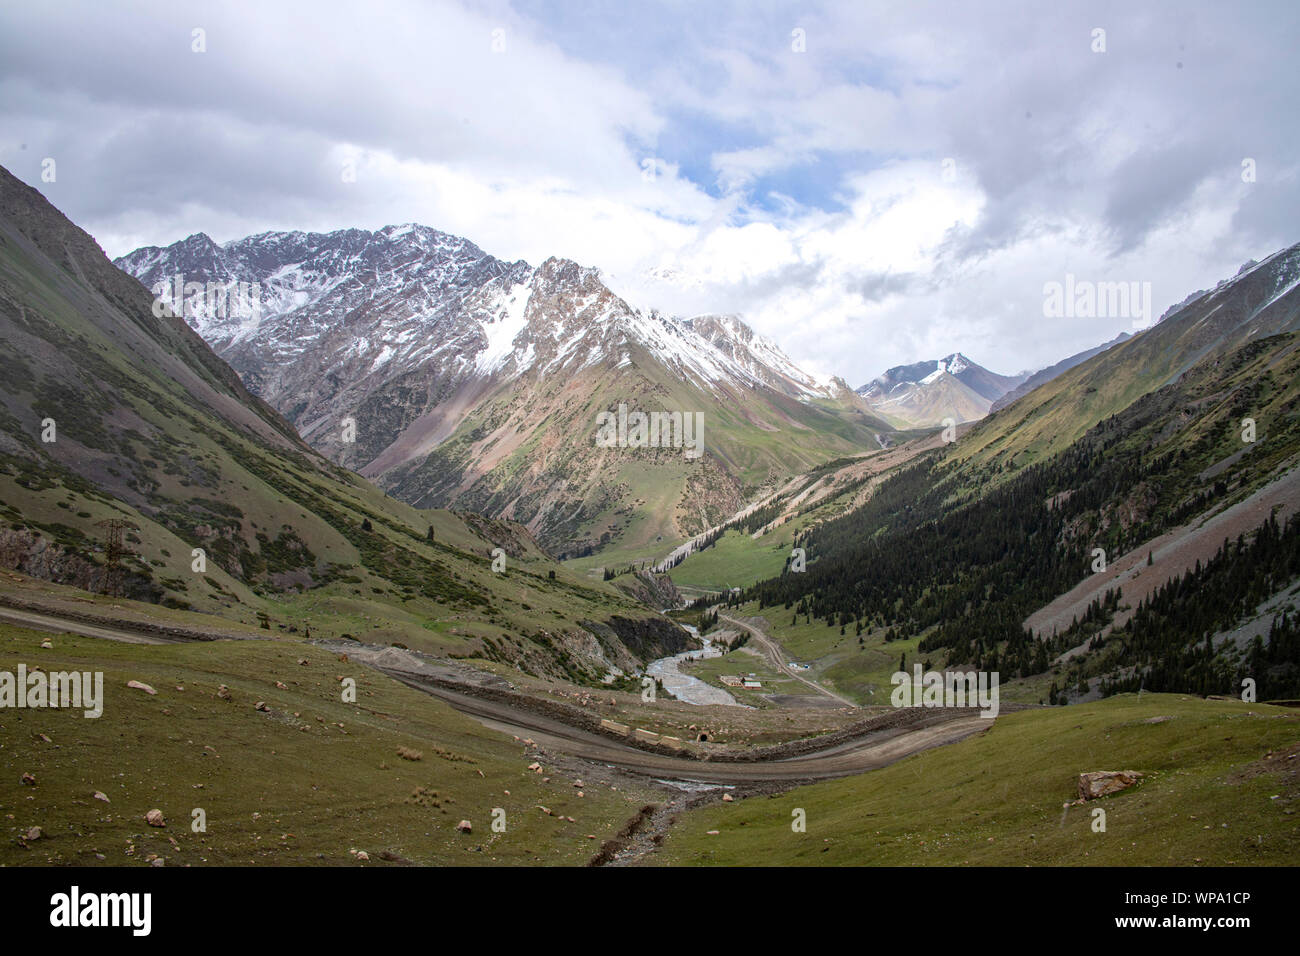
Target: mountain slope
476	383
1261	301
1218	790
1043	376
110	411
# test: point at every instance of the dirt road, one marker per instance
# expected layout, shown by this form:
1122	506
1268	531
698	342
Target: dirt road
870	751
776	655
48	622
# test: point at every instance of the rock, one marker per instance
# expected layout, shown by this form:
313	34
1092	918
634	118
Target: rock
155	818
726	798
223	692
1100	783
261	705
535	767
363	856
28	779
281	686
47	645
33	834
99	795
138	685
465	826
302	661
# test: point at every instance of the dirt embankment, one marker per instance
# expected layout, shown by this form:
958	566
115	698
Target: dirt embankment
1173	553
168	632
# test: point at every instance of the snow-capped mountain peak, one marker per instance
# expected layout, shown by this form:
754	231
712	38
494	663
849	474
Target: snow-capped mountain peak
314	320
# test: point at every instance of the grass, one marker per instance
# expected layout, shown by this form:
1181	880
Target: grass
303	783
996	799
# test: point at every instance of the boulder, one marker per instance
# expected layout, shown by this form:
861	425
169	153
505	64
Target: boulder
139	685
1101	783
155	818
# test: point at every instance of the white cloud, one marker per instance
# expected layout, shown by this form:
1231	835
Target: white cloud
817	207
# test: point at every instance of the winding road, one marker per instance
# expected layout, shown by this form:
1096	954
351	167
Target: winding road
870	751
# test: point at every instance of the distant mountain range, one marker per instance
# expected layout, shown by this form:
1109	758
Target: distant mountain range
923	394
456	379
477	383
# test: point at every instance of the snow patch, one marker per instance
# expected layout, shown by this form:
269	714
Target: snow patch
501	333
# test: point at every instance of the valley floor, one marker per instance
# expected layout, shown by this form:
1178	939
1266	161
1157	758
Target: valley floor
254	734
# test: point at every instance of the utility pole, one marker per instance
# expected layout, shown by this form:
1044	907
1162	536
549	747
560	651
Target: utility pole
114	550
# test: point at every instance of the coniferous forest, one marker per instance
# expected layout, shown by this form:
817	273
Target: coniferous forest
967	579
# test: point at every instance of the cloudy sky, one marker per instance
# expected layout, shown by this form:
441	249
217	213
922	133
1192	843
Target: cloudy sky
867	183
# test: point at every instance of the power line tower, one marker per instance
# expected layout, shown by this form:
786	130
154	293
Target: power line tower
114	551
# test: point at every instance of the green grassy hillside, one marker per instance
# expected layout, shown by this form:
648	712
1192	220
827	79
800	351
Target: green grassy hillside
305	781
1221	788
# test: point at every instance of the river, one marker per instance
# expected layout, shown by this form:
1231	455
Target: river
684	687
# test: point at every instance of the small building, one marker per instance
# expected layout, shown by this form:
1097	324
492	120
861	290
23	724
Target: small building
731	680
751	682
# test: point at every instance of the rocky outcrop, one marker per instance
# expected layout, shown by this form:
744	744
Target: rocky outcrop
39	556
653	590
1102	783
647	638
